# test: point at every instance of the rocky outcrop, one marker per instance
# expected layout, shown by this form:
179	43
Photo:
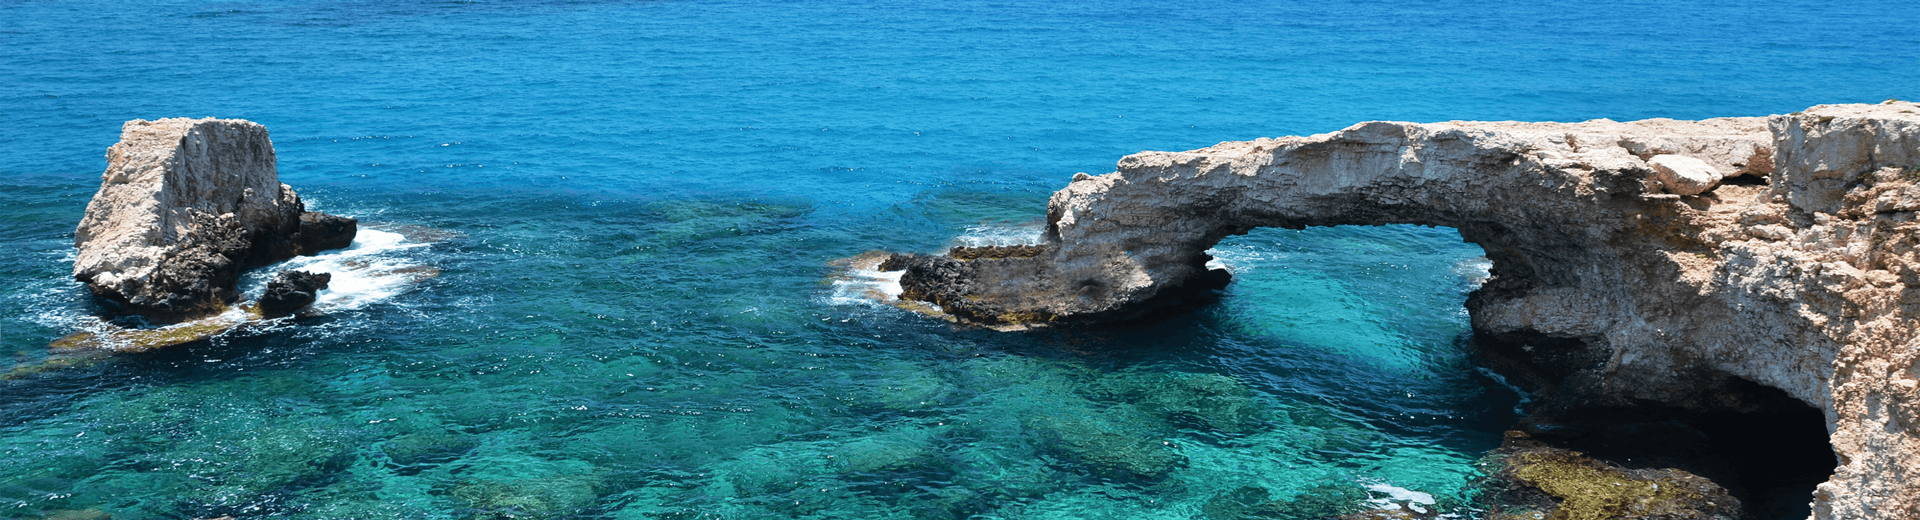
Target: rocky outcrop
291	291
184	207
1621	279
321	232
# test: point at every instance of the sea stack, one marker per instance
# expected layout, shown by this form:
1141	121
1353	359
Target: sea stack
184	207
1627	281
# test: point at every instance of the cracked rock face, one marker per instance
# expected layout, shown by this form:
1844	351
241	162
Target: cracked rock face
184	207
1614	284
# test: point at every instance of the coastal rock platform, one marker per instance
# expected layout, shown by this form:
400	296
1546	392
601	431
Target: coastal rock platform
1657	269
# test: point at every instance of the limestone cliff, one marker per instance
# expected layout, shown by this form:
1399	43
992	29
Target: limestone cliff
1658	262
186	205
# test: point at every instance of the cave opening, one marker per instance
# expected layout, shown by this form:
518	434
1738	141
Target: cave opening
1770	452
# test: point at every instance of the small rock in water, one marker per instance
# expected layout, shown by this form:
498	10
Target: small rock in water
292	291
321	232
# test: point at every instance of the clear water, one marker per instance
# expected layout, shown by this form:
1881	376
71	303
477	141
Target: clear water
636	209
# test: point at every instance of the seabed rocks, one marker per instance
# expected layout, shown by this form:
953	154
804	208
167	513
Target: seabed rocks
1626	278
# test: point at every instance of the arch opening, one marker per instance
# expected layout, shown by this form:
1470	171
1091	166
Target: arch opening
1764	447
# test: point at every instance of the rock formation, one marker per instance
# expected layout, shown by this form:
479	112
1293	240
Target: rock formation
184	207
1624	277
291	291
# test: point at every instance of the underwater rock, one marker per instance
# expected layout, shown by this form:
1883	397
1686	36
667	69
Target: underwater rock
1108	443
1213	401
1606	291
429	447
77	514
78	349
291	291
503	486
184	207
1339	501
534	498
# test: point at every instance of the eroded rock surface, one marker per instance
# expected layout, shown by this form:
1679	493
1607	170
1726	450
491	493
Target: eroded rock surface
184	207
291	291
1610	289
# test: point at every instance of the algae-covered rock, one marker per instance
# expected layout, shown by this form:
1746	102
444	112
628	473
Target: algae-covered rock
213	450
1115	441
111	337
428	447
507	485
531	498
1529	477
1109	443
905	387
77	514
1329	500
895	450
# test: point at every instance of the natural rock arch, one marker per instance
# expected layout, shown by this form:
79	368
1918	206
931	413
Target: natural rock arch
1616	281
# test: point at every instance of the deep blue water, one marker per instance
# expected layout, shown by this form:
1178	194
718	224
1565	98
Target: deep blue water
637	209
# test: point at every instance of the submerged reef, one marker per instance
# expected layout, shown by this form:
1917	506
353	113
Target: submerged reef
184	207
1706	272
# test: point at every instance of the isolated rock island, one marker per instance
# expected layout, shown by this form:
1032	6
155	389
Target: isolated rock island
186	206
1642	272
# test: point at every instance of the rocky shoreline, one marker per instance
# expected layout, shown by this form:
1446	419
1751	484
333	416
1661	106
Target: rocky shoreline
1644	273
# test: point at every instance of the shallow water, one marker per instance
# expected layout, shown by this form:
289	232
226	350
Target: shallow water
635	215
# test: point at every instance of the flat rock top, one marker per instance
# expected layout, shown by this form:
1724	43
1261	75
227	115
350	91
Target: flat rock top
1661	127
162	132
1891	109
1744	128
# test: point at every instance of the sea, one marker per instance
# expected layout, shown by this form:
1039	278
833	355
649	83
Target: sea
609	264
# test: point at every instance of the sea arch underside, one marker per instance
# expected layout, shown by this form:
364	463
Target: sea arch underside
1694	266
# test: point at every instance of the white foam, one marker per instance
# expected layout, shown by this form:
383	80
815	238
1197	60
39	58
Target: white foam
860	286
1000	236
1240	258
373	269
1396	496
1477	269
1397	493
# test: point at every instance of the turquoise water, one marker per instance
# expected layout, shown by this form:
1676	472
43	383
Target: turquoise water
638	212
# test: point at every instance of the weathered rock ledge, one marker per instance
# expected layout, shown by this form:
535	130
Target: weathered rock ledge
184	207
1625	275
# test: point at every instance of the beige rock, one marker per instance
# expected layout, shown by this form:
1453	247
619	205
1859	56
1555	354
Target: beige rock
1684	175
1803	284
184	206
